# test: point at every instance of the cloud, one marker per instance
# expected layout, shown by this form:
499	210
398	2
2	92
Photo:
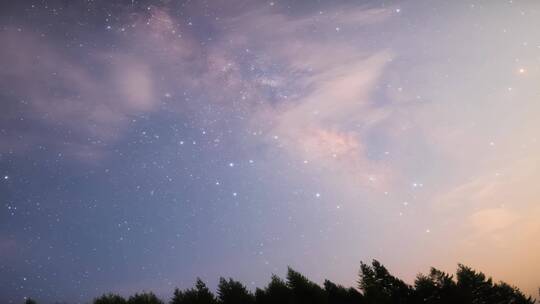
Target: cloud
491	221
324	111
492	218
92	99
61	93
329	125
135	84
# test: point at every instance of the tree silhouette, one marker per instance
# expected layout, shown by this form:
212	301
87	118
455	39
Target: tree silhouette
198	295
234	292
504	293
303	290
110	299
144	298
277	291
30	301
473	286
437	287
380	287
340	295
376	285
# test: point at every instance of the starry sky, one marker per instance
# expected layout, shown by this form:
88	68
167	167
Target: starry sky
145	143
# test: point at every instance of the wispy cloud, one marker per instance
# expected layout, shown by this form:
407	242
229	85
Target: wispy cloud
87	105
159	54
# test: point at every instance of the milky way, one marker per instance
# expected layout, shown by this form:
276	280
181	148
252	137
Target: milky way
145	143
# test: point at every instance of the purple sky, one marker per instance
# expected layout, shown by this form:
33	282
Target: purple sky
145	143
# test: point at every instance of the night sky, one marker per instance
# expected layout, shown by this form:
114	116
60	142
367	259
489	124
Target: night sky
145	143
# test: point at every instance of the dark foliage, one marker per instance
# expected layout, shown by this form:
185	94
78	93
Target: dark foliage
198	295
110	299
380	287
303	291
340	295
234	292
277	291
376	286
437	287
475	288
144	298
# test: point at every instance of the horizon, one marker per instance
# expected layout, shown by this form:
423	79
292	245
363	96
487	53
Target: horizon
253	291
147	143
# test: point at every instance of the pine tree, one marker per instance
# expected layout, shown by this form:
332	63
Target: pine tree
198	295
303	290
110	299
234	292
380	287
277	291
437	287
144	298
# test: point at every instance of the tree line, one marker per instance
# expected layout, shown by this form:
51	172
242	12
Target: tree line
375	286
